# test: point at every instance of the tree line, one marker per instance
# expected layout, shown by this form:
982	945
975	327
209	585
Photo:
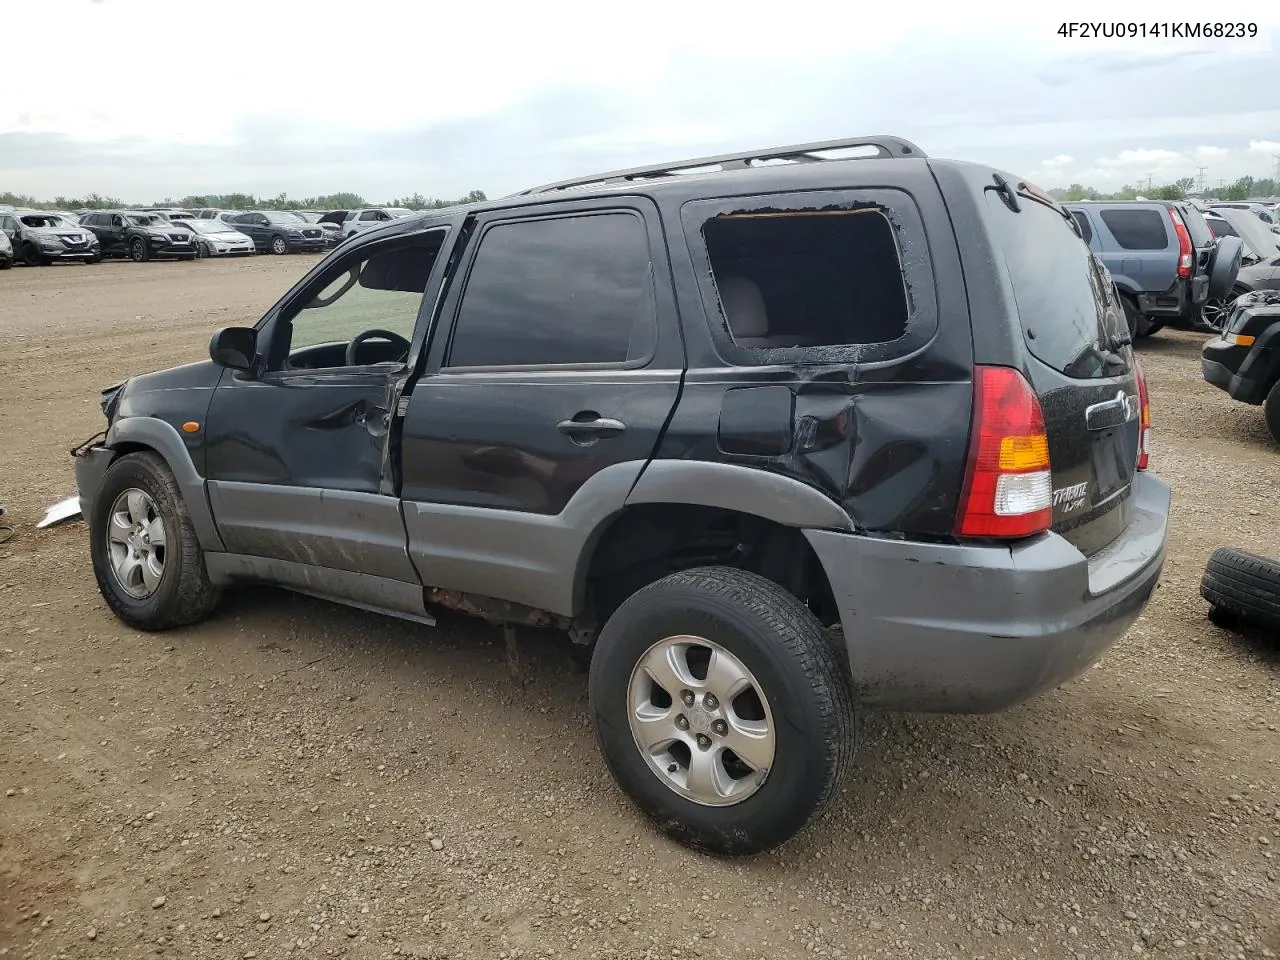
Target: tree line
240	201
1241	189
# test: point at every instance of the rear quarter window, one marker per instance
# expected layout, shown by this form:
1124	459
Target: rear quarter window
1137	229
1069	318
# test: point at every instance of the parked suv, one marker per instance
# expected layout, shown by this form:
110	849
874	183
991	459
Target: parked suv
139	236
39	238
1244	360
278	231
775	444
1163	257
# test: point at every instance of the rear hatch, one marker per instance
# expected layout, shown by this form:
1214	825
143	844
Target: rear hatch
1080	364
1203	243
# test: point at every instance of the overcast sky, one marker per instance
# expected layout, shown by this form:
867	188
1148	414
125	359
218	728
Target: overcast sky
150	98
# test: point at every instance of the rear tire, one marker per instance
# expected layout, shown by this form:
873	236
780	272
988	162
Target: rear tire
1242	585
160	583
803	708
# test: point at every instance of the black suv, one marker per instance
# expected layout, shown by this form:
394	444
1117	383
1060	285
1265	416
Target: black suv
776	437
1244	360
139	236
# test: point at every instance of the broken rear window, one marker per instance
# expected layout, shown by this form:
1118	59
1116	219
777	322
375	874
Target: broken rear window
815	278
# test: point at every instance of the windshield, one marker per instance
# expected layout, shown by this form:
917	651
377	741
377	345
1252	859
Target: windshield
144	220
399	211
209	226
280	216
1070	319
308	217
46	220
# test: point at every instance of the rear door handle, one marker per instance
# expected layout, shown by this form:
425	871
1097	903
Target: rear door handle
600	426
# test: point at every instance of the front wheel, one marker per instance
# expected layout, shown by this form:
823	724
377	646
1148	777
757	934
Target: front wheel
146	559
722	709
138	250
1271	411
279	245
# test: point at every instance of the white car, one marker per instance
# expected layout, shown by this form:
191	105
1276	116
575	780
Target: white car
367	217
217	238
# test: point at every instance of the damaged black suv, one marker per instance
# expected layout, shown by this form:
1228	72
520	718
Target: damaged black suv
778	437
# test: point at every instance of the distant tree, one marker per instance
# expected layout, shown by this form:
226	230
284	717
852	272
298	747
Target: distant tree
1170	191
1237	191
1185	184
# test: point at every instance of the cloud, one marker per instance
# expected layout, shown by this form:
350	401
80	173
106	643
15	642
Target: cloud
497	97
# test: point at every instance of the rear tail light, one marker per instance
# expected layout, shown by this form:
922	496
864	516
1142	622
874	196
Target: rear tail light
1186	253
1008	489
1144	421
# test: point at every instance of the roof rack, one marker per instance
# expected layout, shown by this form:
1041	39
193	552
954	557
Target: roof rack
887	148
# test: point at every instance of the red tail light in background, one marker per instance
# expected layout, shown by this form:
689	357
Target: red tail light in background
1186	252
1144	419
1008	488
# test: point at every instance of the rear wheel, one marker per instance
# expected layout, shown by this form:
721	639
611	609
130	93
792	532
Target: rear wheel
1132	317
722	709
146	559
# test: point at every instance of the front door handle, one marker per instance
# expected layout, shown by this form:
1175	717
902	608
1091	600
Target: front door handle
580	426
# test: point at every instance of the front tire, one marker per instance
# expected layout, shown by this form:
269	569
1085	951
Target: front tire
1271	411
746	768
279	246
138	252
146	558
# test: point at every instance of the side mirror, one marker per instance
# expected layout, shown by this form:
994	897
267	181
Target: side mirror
235	348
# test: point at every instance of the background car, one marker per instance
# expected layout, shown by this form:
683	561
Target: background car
279	232
1164	259
366	217
139	236
6	251
40	237
1259	210
1260	258
217	238
332	231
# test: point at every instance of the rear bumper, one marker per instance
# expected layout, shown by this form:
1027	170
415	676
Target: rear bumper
975	629
1182	301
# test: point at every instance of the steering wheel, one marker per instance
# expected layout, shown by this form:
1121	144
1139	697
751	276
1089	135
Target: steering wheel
353	348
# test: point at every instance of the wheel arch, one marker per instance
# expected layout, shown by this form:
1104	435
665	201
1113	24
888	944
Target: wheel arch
667	526
138	434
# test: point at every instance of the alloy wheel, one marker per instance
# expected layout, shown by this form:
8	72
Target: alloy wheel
701	721
136	543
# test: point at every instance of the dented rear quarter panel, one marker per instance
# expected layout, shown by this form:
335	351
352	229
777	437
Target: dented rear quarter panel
883	429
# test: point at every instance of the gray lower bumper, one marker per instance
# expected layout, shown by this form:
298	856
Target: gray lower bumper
974	629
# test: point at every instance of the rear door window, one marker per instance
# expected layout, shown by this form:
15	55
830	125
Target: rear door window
1137	229
1069	319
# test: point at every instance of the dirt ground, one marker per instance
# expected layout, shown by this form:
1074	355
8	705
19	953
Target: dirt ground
294	778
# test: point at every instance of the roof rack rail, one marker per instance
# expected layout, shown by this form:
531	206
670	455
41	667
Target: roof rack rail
887	148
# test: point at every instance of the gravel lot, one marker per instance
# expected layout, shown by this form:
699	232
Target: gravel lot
294	778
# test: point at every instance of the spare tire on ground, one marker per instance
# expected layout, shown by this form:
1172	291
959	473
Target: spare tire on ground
1242	586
